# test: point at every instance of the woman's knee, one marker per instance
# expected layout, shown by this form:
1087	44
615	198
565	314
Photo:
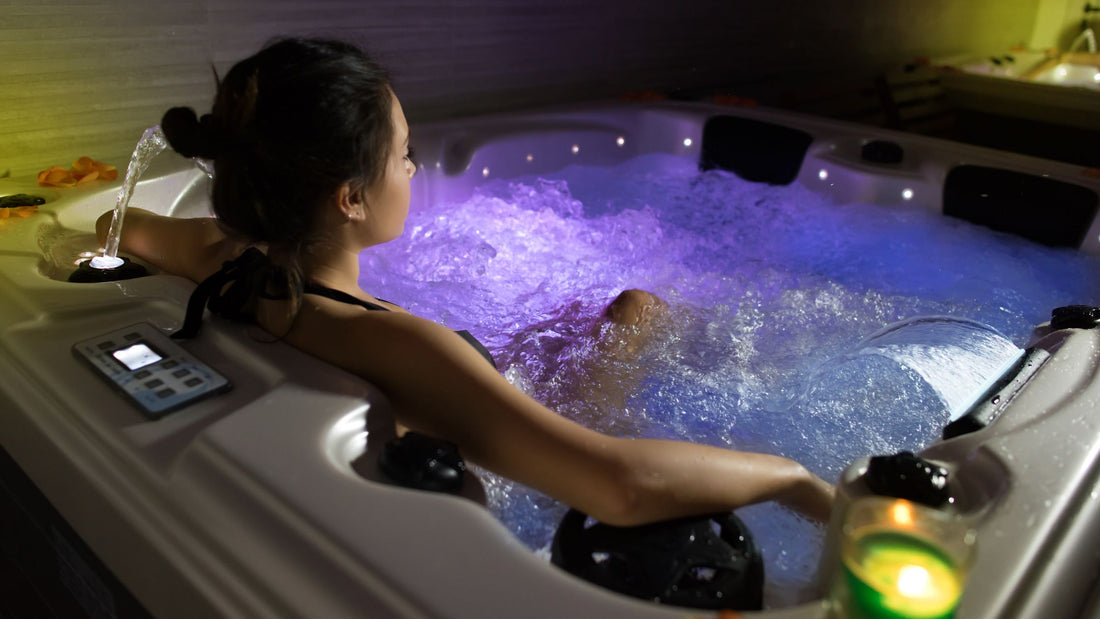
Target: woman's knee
634	307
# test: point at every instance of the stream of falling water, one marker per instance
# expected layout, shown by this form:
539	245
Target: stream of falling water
151	144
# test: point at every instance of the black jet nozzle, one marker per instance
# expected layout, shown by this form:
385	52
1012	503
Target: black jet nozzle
906	476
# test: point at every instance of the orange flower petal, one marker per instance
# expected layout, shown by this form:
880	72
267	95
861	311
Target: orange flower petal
44	173
7	214
87	167
83	166
89	177
56	176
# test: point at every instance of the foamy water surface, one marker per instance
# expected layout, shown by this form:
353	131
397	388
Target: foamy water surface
772	292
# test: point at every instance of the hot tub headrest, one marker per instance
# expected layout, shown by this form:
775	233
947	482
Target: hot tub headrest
701	562
755	150
1045	210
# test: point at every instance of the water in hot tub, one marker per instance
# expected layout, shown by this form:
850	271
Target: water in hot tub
772	292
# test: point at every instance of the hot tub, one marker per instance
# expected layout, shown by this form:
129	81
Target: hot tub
1060	90
247	503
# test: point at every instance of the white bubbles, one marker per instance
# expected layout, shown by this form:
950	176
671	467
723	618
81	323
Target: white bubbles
767	286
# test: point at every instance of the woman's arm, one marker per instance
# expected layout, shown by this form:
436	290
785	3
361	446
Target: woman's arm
193	248
439	385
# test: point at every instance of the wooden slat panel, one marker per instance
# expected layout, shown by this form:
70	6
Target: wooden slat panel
87	77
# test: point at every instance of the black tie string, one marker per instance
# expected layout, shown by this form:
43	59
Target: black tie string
229	291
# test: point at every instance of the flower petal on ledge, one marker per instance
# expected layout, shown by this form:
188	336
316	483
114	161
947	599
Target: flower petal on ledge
56	176
17	211
87	178
84	170
86	167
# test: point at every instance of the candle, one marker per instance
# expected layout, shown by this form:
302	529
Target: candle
901	560
894	574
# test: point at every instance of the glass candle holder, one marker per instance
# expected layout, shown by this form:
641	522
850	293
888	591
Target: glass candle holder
901	560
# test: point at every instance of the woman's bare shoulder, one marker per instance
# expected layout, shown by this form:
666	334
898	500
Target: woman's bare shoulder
394	350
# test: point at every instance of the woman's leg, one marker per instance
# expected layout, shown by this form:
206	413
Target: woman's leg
633	315
608	374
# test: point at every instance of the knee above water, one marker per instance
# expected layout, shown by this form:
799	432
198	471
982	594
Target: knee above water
633	306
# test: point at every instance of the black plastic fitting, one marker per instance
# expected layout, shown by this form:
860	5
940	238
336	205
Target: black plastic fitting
906	476
1075	317
423	462
87	274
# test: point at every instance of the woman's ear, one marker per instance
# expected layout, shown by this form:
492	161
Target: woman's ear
351	201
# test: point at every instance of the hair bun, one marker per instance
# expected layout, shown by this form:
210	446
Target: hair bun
190	136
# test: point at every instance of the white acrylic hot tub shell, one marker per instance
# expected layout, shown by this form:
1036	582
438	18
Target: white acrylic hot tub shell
245	504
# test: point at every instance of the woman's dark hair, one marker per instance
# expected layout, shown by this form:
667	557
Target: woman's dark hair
290	124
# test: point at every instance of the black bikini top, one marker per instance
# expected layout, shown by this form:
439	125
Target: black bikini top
229	291
343	297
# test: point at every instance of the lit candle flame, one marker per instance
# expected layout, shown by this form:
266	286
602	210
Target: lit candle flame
914	581
902	513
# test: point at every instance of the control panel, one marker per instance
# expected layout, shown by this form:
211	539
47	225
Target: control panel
155	373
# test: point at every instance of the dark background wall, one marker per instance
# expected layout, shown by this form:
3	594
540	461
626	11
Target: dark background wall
86	77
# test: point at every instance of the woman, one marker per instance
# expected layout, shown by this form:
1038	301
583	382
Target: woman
312	160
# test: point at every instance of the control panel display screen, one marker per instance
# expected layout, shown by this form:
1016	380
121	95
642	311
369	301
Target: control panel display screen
136	356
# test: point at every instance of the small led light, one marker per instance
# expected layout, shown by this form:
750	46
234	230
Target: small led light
438	164
907	194
823	174
620	140
576	149
105	262
530	157
687	142
485	171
